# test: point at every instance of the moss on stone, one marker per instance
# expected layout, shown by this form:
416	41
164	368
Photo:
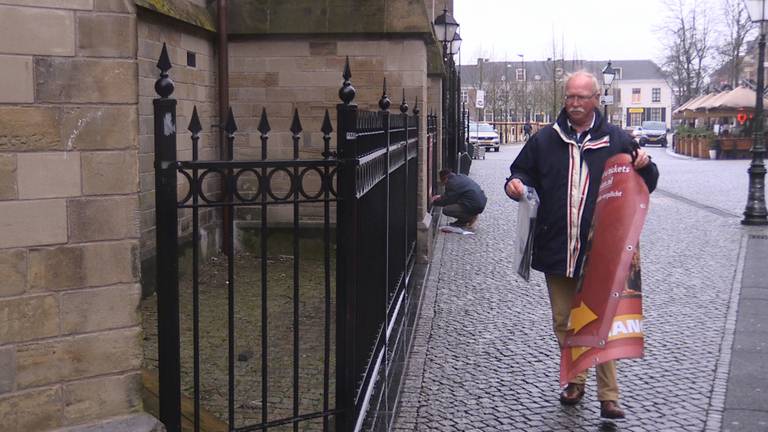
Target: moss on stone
435	65
328	17
183	10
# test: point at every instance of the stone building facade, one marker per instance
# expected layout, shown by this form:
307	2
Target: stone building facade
194	86
76	168
69	233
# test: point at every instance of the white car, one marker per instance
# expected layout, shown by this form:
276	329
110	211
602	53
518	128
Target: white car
634	132
483	135
653	132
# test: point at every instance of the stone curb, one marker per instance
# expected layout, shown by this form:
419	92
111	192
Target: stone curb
407	411
716	407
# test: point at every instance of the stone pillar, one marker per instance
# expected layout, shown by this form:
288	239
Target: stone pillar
70	341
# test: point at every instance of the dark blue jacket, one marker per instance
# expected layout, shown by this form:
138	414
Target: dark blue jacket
462	190
561	169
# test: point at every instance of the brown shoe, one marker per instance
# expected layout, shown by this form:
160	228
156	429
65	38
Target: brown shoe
472	220
611	410
572	394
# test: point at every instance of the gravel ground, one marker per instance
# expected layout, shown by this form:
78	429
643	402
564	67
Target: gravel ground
214	359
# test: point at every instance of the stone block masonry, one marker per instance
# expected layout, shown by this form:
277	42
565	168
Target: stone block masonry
69	196
194	86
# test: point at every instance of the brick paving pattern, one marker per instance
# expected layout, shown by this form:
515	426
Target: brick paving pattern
485	357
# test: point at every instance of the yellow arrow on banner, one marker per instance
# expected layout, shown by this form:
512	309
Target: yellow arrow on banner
580	317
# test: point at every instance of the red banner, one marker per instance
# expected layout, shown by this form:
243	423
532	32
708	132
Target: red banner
607	314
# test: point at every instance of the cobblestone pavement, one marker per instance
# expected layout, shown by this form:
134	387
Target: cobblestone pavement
485	357
213	343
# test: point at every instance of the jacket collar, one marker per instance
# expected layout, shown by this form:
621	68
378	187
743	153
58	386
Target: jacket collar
596	136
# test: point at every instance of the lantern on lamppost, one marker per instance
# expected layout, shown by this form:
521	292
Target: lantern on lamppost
609	74
445	30
755	212
455	45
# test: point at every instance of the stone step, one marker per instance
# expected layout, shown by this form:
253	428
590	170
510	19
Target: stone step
208	422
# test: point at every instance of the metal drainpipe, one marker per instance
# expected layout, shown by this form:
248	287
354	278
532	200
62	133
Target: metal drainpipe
225	151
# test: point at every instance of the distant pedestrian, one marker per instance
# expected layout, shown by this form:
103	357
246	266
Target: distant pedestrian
463	198
564	162
527	129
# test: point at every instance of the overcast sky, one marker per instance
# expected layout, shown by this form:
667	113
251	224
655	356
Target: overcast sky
588	29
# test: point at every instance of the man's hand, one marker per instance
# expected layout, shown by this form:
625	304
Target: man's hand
642	159
515	189
434	198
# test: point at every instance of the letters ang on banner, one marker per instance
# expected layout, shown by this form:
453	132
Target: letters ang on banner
606	317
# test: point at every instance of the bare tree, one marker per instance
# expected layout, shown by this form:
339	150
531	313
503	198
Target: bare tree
733	35
688	46
557	66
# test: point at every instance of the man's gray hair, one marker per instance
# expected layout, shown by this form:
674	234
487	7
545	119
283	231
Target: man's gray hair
585	73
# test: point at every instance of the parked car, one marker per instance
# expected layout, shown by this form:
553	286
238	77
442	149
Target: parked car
653	132
634	132
483	135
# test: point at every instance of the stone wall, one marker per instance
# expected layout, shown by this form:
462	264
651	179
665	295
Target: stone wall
305	74
194	86
425	234
69	240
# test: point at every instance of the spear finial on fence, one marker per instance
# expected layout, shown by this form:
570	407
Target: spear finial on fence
296	131
195	127
264	131
416	106
384	102
327	128
403	104
263	123
231	126
296	123
347	92
194	123
164	85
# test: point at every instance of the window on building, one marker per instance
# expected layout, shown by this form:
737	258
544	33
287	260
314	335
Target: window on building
464	97
520	74
617	95
656	94
618	73
635	119
635	95
656	114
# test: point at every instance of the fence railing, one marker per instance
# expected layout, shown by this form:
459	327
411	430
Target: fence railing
432	158
377	234
372	181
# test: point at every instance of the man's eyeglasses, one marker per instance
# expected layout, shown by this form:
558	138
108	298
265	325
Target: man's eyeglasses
579	98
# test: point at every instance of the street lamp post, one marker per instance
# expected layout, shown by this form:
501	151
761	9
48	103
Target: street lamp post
608	74
755	212
454	48
445	31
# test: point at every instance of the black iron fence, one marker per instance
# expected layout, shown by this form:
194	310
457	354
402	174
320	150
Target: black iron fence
455	156
357	331
377	234
432	163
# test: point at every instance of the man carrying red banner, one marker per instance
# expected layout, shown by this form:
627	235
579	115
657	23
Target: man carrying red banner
564	162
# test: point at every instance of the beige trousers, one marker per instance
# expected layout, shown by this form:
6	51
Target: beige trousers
561	292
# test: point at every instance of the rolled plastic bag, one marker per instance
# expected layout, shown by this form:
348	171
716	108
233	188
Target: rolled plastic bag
526	224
